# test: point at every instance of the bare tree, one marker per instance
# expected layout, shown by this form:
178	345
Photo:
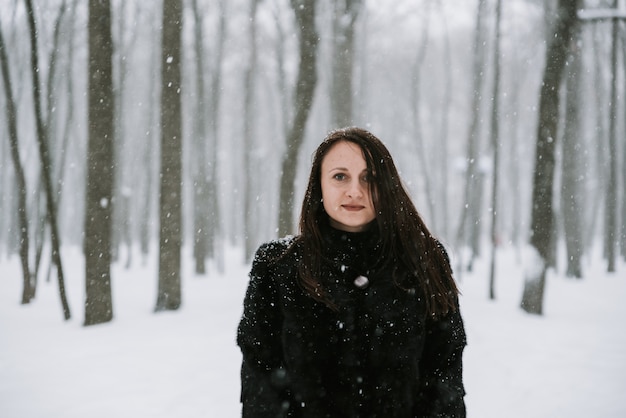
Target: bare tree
469	226
57	129
611	181
416	114
170	219
305	89
124	38
571	192
44	155
611	199
249	119
543	180
28	291
149	177
600	106
622	199
215	245
282	85
199	138
100	166
345	15
205	133
441	217
495	144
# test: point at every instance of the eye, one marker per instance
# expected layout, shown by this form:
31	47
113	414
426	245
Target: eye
339	176
367	178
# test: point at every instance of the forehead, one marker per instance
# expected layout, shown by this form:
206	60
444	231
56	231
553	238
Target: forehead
344	154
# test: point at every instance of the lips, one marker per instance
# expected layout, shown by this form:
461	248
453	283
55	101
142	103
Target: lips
353	208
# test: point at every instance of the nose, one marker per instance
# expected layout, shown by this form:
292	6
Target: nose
355	190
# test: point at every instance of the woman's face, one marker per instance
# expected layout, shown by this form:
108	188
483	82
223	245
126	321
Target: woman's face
346	189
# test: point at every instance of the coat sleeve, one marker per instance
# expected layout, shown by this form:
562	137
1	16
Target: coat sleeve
263	384
441	368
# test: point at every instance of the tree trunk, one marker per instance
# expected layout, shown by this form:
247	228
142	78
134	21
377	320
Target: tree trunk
201	198
622	236
469	227
215	242
543	179
150	172
44	155
100	167
495	144
285	103
249	149
416	96
22	214
600	103
611	202
570	190
121	225
67	123
51	103
305	89
170	219
57	145
441	217
345	15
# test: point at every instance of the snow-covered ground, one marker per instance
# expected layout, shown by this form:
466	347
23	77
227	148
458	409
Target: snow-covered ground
571	362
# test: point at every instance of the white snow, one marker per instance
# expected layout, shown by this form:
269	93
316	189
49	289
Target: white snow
533	264
571	362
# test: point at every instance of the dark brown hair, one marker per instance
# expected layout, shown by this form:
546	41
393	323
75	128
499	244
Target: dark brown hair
404	236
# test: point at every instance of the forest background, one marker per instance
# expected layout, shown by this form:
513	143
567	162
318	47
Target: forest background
147	144
159	126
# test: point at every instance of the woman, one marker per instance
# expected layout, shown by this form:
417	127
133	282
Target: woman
358	315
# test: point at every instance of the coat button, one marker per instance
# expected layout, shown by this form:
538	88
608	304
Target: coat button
361	282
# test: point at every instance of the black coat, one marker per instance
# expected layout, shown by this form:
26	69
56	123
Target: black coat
378	355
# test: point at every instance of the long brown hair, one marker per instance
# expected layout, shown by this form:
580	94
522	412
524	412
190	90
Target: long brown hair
404	236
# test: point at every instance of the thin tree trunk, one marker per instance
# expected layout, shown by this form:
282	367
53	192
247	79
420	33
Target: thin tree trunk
69	115
150	173
469	224
215	236
285	104
57	161
543	180
570	191
249	118
345	15
442	214
495	144
44	155
600	132
305	89
201	203
22	214
51	82
170	219
123	188
623	199
416	80
100	174
611	202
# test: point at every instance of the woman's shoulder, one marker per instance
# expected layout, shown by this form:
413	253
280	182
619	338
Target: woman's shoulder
271	251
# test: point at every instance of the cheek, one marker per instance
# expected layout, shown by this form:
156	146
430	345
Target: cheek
329	198
326	198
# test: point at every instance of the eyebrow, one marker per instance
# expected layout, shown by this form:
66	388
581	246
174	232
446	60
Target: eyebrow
345	169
